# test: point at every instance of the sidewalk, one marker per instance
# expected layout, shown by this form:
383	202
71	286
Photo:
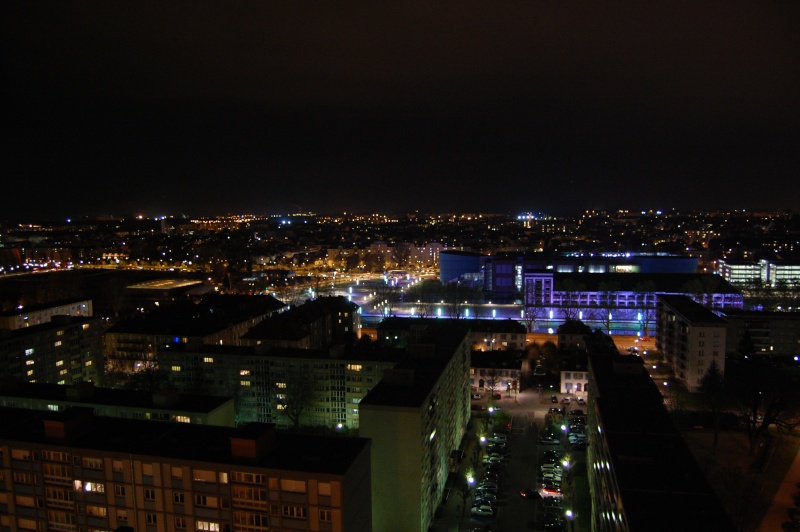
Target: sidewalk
783	500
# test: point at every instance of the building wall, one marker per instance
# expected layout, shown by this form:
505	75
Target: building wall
64	351
36	317
71	489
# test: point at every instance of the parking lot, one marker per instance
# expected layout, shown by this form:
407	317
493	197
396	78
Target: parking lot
503	465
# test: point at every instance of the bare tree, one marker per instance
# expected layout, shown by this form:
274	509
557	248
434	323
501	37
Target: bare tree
299	394
607	303
532	304
569	301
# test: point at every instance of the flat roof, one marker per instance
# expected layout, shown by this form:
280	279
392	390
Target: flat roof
661	485
691	310
88	394
293	451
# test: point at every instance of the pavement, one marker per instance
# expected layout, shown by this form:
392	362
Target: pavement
514	513
778	512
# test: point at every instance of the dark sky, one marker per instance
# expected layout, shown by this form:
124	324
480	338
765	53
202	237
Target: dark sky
214	107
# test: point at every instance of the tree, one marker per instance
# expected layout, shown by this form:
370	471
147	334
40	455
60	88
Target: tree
712	385
569	300
299	394
607	303
645	304
532	303
455	299
387	295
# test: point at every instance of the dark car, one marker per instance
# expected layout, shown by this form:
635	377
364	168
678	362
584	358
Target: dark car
497	396
576	412
527	493
553	399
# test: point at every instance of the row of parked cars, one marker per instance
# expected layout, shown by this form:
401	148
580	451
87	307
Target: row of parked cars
484	504
551	472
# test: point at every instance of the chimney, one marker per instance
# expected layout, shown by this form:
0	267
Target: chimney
253	441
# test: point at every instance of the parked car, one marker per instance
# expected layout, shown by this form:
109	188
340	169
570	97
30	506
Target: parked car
576	412
566	400
554	411
549	440
498	438
553	399
527	493
476	396
551	453
482	511
497	396
581	401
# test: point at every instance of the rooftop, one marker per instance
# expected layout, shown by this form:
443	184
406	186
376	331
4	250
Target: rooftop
293	451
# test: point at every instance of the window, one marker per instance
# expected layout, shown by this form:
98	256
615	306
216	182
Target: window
151	519
22	477
116	466
119	490
298	512
201	475
122	515
207	525
96	511
147	470
296	486
248	478
149	494
205	500
94	487
325	516
176	368
208	360
182	419
354	367
93	463
180	522
21	454
58	343
59	363
178	497
176	472
244	372
25	500
567	375
324	488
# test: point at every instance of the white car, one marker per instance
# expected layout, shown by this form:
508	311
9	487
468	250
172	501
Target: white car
498	438
482	511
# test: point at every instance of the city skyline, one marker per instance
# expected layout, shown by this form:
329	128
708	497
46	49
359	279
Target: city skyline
448	108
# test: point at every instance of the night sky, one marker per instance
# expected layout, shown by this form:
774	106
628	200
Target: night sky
270	107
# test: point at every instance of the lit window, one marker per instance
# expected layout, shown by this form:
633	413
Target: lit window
88	363
28	352
31	362
245	383
354	367
183	419
280	385
176	368
58	343
85	326
58	363
208	360
244	372
207	525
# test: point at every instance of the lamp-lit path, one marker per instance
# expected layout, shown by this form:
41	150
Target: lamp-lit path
778	512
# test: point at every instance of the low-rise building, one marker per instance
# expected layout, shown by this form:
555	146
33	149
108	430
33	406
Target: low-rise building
29	316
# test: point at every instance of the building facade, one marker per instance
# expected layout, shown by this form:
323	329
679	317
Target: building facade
690	337
416	416
72	471
62	350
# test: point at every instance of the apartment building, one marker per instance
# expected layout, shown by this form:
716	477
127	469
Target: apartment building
63	349
126	404
416	416
72	471
28	316
771	333
216	320
690	337
280	385
642	476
